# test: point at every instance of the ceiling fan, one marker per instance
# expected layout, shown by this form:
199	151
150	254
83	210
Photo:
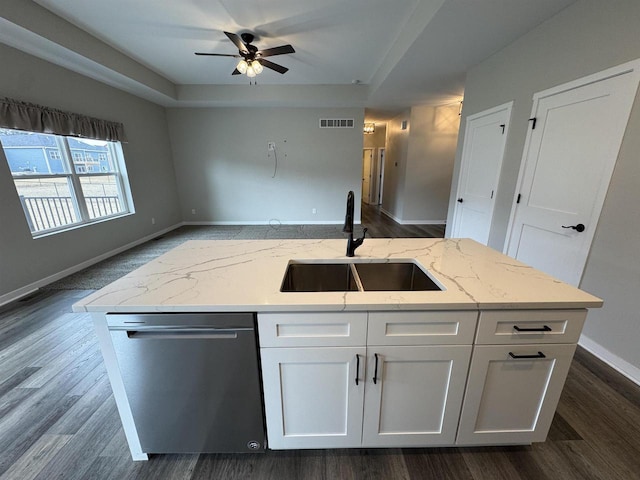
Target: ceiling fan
252	59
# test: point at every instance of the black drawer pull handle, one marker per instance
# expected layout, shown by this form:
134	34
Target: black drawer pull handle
539	355
375	370
546	328
357	367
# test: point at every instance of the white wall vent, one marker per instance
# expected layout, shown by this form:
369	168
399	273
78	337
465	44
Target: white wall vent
336	122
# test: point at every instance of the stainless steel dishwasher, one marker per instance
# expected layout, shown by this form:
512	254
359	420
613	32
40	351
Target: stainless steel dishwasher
192	380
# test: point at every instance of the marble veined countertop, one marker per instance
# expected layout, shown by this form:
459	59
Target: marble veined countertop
245	275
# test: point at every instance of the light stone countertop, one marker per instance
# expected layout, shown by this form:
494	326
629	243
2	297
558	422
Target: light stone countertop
245	275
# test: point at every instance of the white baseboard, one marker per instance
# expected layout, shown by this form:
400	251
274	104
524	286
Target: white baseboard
625	368
32	287
411	222
390	215
272	223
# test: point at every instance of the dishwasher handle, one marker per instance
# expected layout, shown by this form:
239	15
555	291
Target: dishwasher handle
183	333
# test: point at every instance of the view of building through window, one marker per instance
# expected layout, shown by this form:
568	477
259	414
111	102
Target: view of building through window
64	181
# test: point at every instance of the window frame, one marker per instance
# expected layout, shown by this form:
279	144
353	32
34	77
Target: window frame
118	172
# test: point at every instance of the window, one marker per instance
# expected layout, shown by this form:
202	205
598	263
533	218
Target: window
61	184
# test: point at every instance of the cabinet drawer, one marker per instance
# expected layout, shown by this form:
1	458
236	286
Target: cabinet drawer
500	327
422	328
312	329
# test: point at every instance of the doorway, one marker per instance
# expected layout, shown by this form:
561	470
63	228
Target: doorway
367	174
570	152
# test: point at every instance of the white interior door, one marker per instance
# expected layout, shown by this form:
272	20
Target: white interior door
380	175
367	160
482	154
568	160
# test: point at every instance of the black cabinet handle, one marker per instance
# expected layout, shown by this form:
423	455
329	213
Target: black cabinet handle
375	370
578	228
546	328
357	367
460	200
539	355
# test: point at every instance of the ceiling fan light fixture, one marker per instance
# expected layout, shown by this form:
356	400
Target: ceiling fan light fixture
242	66
251	72
257	67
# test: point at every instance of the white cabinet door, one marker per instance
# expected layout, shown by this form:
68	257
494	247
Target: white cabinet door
416	397
512	393
311	397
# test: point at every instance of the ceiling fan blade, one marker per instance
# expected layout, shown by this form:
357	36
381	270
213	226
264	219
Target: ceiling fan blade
236	72
269	52
217	54
237	41
273	66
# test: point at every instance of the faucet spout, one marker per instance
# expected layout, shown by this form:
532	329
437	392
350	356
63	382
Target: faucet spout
348	219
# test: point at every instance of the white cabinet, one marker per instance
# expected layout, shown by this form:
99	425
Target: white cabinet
310	363
515	383
416	396
311	397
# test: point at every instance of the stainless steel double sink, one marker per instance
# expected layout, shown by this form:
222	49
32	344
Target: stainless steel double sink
310	276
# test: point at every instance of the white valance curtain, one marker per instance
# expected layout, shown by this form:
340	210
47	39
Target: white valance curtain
36	118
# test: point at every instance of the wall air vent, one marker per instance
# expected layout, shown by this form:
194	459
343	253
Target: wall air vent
336	123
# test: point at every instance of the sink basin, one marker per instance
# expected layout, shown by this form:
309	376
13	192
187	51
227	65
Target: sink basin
352	277
319	277
394	276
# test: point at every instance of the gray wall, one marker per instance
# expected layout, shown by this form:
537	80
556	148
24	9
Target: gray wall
225	173
587	37
432	148
395	166
419	164
24	260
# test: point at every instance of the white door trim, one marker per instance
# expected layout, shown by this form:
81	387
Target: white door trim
380	173
632	67
370	150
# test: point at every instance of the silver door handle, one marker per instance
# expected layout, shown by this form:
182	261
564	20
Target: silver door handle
185	333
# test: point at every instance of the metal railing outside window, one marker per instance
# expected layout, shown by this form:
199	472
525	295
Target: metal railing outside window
64	190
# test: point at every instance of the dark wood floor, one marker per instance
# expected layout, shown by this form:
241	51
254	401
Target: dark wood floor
58	419
380	225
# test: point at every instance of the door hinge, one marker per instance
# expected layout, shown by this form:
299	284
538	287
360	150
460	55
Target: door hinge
502	126
518	199
534	120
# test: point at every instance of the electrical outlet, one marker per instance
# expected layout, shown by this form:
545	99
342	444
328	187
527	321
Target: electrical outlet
271	146
313	210
153	221
193	211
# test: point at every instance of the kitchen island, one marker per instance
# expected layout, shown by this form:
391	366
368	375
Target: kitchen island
480	362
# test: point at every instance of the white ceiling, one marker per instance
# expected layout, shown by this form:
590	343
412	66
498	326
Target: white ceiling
398	52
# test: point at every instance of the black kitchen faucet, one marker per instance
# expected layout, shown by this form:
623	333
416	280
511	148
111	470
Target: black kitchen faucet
352	243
